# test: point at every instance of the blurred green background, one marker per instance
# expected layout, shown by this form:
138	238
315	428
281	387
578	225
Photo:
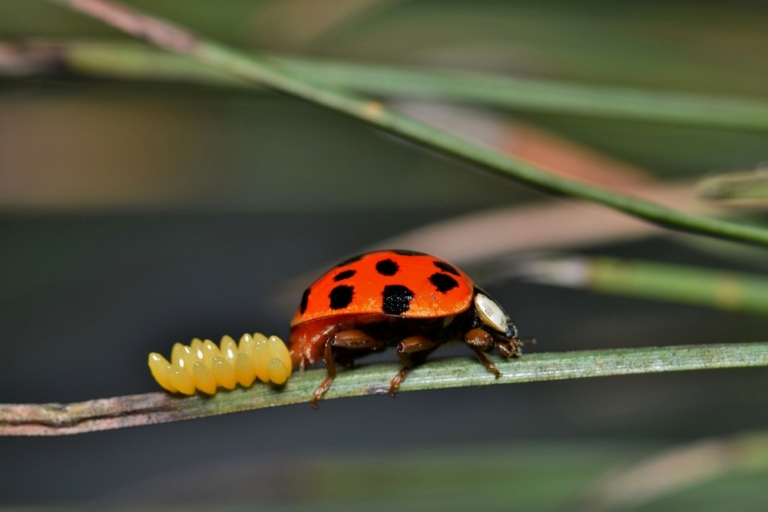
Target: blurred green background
135	213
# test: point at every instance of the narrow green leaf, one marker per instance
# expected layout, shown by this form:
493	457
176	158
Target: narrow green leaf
147	409
733	291
737	188
121	60
262	72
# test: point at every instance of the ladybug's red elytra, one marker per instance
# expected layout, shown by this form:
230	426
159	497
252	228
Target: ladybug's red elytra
404	298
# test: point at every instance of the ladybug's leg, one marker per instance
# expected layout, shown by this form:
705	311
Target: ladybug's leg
508	348
420	346
351	339
481	341
511	347
330	367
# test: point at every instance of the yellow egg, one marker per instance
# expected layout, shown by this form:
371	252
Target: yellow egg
182	357
181	380
246	344
197	349
224	373
203	378
228	349
278	350
278	372
205	366
210	350
261	357
244	370
160	369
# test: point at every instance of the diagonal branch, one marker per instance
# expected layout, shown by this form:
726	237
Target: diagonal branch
131	61
151	408
261	71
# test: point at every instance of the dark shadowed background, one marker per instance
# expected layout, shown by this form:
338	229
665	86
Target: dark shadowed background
135	214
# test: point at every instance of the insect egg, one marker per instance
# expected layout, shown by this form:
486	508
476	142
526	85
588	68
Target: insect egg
224	373
181	380
246	344
244	370
203	378
197	349
229	349
261	357
181	356
210	350
280	361
205	367
160	367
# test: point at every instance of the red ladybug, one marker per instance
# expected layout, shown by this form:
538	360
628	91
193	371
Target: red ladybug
404	298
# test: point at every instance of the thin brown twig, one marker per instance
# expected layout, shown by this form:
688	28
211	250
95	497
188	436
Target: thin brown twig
145	27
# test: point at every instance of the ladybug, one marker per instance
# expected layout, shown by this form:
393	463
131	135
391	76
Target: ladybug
396	297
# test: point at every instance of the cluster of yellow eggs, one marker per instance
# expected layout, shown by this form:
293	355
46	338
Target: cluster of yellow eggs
205	367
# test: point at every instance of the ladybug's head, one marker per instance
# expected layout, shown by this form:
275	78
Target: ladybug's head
492	316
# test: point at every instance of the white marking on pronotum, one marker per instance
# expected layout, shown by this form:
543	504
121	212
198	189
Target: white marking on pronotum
491	313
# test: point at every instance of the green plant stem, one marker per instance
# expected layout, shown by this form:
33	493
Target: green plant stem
738	188
132	61
733	291
261	71
537	95
679	283
151	408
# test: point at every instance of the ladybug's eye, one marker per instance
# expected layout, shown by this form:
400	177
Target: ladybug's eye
491	313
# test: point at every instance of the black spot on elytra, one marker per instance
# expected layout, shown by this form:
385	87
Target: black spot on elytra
446	267
350	260
405	252
341	296
304	301
344	275
387	267
397	299
443	282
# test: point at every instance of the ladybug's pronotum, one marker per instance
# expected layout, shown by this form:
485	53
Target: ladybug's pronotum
205	367
404	298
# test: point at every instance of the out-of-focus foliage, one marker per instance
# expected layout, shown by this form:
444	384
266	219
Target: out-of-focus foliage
154	254
187	161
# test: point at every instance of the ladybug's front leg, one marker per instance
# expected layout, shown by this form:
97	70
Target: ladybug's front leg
420	346
481	341
351	339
